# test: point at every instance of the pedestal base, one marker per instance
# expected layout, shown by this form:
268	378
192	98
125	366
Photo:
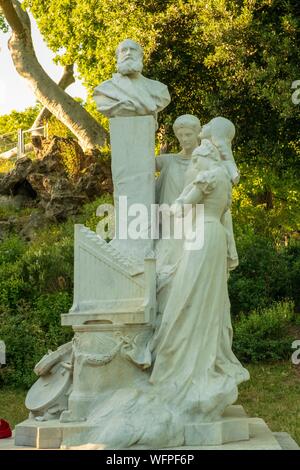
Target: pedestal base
234	426
261	439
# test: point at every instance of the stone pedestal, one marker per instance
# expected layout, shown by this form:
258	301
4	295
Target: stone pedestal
133	172
234	427
106	357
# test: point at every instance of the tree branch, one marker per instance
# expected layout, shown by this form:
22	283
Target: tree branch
67	77
66	80
12	17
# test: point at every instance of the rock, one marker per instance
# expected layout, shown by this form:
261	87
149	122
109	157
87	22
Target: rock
95	181
16	176
59	181
63	201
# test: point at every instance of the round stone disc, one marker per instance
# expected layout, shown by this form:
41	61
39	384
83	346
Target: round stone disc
47	389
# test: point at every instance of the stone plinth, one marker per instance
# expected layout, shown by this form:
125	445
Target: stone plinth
50	435
133	172
235	427
106	357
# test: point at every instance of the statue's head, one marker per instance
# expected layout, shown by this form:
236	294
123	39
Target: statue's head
220	131
129	57
206	151
187	128
218	128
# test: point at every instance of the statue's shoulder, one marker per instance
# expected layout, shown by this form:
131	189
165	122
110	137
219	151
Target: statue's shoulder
155	84
107	84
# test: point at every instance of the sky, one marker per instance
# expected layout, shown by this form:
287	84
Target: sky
15	94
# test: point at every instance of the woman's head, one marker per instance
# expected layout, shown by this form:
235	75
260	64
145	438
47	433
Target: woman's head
206	151
220	131
222	128
218	128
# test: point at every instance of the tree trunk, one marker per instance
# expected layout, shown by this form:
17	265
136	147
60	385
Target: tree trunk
90	134
66	80
268	197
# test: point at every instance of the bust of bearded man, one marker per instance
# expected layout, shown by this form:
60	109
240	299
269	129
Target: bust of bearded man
128	92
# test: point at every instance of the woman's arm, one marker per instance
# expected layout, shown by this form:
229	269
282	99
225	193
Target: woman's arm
192	194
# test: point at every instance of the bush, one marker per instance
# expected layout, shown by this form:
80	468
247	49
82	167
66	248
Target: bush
263	335
29	332
89	211
291	256
11	249
49	267
36	281
46	313
265	274
12	286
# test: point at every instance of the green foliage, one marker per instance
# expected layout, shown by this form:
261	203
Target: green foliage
266	219
35	288
29	331
5	166
18	119
55	127
9	208
11	249
12	286
9	125
265	273
90	210
263	335
3	25
49	268
218	57
266	203
291	257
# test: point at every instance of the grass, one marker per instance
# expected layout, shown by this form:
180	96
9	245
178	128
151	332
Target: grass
272	394
12	407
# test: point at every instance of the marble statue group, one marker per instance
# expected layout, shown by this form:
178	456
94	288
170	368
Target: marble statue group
151	362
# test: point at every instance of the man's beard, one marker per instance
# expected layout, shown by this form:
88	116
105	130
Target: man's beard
130	66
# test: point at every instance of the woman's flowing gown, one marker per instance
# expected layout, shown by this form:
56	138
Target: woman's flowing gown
194	362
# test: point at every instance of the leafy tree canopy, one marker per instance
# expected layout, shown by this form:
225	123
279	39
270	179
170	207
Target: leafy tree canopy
218	57
18	120
3	25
